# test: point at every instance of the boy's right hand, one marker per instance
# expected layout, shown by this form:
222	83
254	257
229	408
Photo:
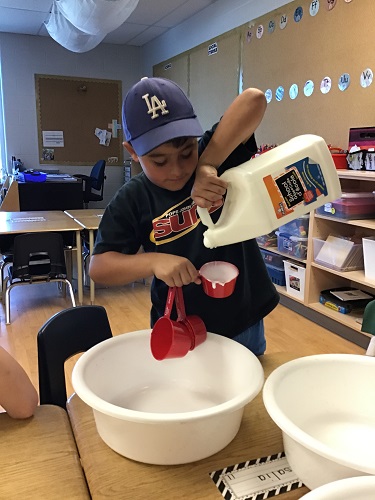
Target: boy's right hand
174	270
208	189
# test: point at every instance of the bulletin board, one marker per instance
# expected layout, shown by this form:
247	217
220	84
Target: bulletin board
332	39
74	108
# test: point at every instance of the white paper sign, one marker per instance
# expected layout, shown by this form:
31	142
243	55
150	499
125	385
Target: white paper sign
256	478
53	138
104	136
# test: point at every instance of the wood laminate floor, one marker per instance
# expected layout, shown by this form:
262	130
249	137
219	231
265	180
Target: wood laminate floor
128	310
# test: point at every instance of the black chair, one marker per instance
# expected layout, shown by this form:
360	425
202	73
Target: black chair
37	258
65	334
94	181
6	257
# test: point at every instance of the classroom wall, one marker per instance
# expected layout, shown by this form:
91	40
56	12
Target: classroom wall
22	56
216	19
325	47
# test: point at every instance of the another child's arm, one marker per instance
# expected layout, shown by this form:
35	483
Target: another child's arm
236	126
18	396
114	268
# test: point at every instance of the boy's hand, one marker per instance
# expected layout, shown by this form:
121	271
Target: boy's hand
174	270
208	189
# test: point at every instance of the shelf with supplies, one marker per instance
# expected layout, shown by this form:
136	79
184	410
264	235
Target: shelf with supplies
319	277
322	277
283	254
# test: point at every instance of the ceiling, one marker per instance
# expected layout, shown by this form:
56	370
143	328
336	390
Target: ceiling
150	19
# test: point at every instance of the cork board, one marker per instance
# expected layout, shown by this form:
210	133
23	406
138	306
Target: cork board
329	44
75	107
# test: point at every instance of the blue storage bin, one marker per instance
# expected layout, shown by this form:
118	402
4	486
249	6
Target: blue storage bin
272	259
35	176
292	245
297	227
276	274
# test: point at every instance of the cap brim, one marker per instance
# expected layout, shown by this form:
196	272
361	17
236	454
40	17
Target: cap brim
188	127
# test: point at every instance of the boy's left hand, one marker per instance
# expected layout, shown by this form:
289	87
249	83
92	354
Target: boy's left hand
208	189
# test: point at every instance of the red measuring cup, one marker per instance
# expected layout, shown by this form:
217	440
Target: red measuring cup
174	339
218	278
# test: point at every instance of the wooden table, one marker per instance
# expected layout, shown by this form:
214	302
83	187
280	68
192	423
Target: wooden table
110	475
39	457
44	221
89	219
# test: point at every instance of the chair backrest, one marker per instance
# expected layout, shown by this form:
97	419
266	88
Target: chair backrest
38	254
97	175
65	334
368	322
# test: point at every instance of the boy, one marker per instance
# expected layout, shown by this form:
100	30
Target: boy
157	209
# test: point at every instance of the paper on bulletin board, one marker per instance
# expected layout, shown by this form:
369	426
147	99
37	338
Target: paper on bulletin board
104	136
260	478
53	138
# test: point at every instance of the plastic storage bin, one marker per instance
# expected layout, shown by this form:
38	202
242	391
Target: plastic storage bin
297	227
272	259
267	240
277	274
35	176
295	279
359	205
338	253
292	245
369	257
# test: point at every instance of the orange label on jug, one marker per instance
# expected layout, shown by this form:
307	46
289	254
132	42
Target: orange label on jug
299	184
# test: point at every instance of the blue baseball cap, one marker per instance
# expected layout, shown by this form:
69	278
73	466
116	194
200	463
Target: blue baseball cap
155	111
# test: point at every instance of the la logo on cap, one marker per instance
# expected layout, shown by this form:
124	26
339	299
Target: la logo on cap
155	105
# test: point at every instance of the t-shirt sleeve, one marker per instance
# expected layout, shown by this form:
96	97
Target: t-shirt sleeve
119	228
241	154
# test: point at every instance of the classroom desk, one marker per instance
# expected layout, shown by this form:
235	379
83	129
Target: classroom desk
89	219
39	457
44	221
109	474
55	194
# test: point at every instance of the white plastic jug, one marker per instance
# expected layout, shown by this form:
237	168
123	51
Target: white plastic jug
273	189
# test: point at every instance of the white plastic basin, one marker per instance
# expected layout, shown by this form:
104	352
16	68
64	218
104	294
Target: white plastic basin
353	488
325	407
172	411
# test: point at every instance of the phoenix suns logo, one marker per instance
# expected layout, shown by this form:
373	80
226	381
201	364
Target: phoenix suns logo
176	222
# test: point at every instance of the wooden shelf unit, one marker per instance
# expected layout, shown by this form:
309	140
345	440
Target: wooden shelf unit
319	277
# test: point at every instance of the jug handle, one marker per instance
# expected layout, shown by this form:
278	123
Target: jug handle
205	217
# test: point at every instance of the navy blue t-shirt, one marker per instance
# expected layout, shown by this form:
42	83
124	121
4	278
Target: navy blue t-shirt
159	220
